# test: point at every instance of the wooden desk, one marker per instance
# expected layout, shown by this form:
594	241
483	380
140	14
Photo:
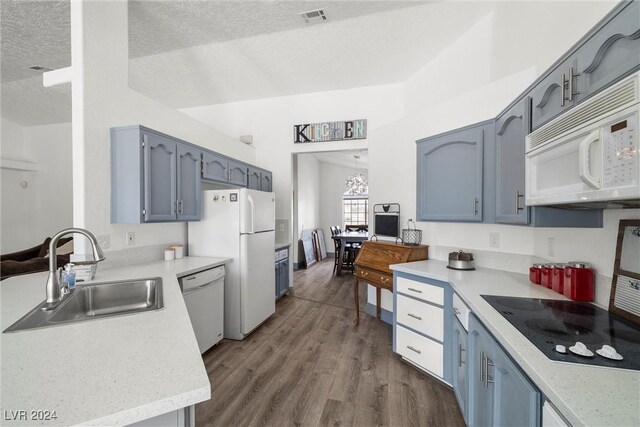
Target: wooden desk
347	237
372	267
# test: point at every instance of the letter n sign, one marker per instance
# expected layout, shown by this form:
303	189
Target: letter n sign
330	131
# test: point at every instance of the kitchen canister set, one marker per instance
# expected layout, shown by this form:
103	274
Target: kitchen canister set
174	252
575	279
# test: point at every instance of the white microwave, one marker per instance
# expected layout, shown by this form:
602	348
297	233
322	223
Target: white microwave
590	155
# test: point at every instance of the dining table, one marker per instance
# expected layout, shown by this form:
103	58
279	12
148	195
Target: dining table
348	237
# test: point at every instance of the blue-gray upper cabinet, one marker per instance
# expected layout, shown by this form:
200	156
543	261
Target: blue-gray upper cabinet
451	172
238	173
188	184
612	52
511	129
500	394
160	189
215	167
266	181
254	179
555	93
154	177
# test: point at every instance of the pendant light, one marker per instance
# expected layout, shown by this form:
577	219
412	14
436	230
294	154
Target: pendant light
356	183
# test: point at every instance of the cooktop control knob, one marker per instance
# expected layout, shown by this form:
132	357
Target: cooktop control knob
561	349
581	350
609	352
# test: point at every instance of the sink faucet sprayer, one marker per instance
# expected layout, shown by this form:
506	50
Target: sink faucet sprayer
53	284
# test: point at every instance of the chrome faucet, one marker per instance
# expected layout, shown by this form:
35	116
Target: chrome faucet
53	283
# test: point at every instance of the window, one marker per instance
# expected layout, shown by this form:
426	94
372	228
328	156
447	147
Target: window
355	210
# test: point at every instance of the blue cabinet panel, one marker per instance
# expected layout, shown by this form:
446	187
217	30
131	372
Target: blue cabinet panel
188	183
254	178
238	173
215	167
160	199
610	53
519	402
450	176
266	181
460	368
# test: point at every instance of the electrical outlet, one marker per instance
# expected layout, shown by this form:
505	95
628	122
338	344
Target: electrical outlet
104	241
131	238
494	240
551	246
281	227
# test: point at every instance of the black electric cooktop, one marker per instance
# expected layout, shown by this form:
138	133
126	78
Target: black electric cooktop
547	323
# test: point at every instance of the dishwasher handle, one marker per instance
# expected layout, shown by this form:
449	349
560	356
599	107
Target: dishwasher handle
196	289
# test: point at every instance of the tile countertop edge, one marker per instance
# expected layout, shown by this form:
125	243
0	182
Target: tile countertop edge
23	292
550	377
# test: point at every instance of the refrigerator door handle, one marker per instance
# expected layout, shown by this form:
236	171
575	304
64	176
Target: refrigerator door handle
251	212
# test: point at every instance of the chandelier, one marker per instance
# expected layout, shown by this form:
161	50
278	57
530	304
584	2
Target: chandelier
356	183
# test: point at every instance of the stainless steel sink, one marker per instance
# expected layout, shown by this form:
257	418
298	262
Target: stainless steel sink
96	301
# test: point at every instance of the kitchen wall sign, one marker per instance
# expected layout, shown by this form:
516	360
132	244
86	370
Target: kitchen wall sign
330	131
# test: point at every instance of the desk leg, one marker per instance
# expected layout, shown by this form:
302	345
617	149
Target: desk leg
340	258
378	291
356	296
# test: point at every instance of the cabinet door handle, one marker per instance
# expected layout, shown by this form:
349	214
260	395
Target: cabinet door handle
563	83
482	357
414	349
414	316
475	205
571	77
456	310
487	363
384	280
460	350
415	290
518	196
364	273
191	278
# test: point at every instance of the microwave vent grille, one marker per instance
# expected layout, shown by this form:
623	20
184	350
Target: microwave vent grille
597	107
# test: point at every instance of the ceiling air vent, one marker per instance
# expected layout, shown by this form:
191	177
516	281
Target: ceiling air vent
314	16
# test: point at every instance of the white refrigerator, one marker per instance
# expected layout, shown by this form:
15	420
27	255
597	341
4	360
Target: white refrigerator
240	224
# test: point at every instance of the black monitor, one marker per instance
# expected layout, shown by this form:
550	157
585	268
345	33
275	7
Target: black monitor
387	225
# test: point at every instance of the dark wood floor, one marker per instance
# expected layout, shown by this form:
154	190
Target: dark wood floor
309	366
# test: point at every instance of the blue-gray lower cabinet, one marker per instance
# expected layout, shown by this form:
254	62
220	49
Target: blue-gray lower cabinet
451	173
500	394
282	272
460	368
154	177
422	324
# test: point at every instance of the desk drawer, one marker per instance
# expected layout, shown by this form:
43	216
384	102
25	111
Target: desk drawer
374	277
425	318
423	291
422	351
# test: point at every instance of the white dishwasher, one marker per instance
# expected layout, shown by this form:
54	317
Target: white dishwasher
203	294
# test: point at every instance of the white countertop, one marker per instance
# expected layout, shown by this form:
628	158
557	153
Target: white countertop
280	245
109	371
585	395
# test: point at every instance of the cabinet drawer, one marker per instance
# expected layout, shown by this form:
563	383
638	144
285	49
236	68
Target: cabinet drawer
423	291
422	351
421	316
374	277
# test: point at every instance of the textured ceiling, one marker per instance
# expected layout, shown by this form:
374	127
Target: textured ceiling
160	26
381	48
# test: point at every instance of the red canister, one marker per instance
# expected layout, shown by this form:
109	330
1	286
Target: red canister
545	275
557	278
579	281
535	273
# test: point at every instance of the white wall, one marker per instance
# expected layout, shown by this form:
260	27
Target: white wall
307	191
45	205
471	80
102	99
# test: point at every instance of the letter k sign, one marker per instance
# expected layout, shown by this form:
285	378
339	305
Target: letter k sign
299	135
